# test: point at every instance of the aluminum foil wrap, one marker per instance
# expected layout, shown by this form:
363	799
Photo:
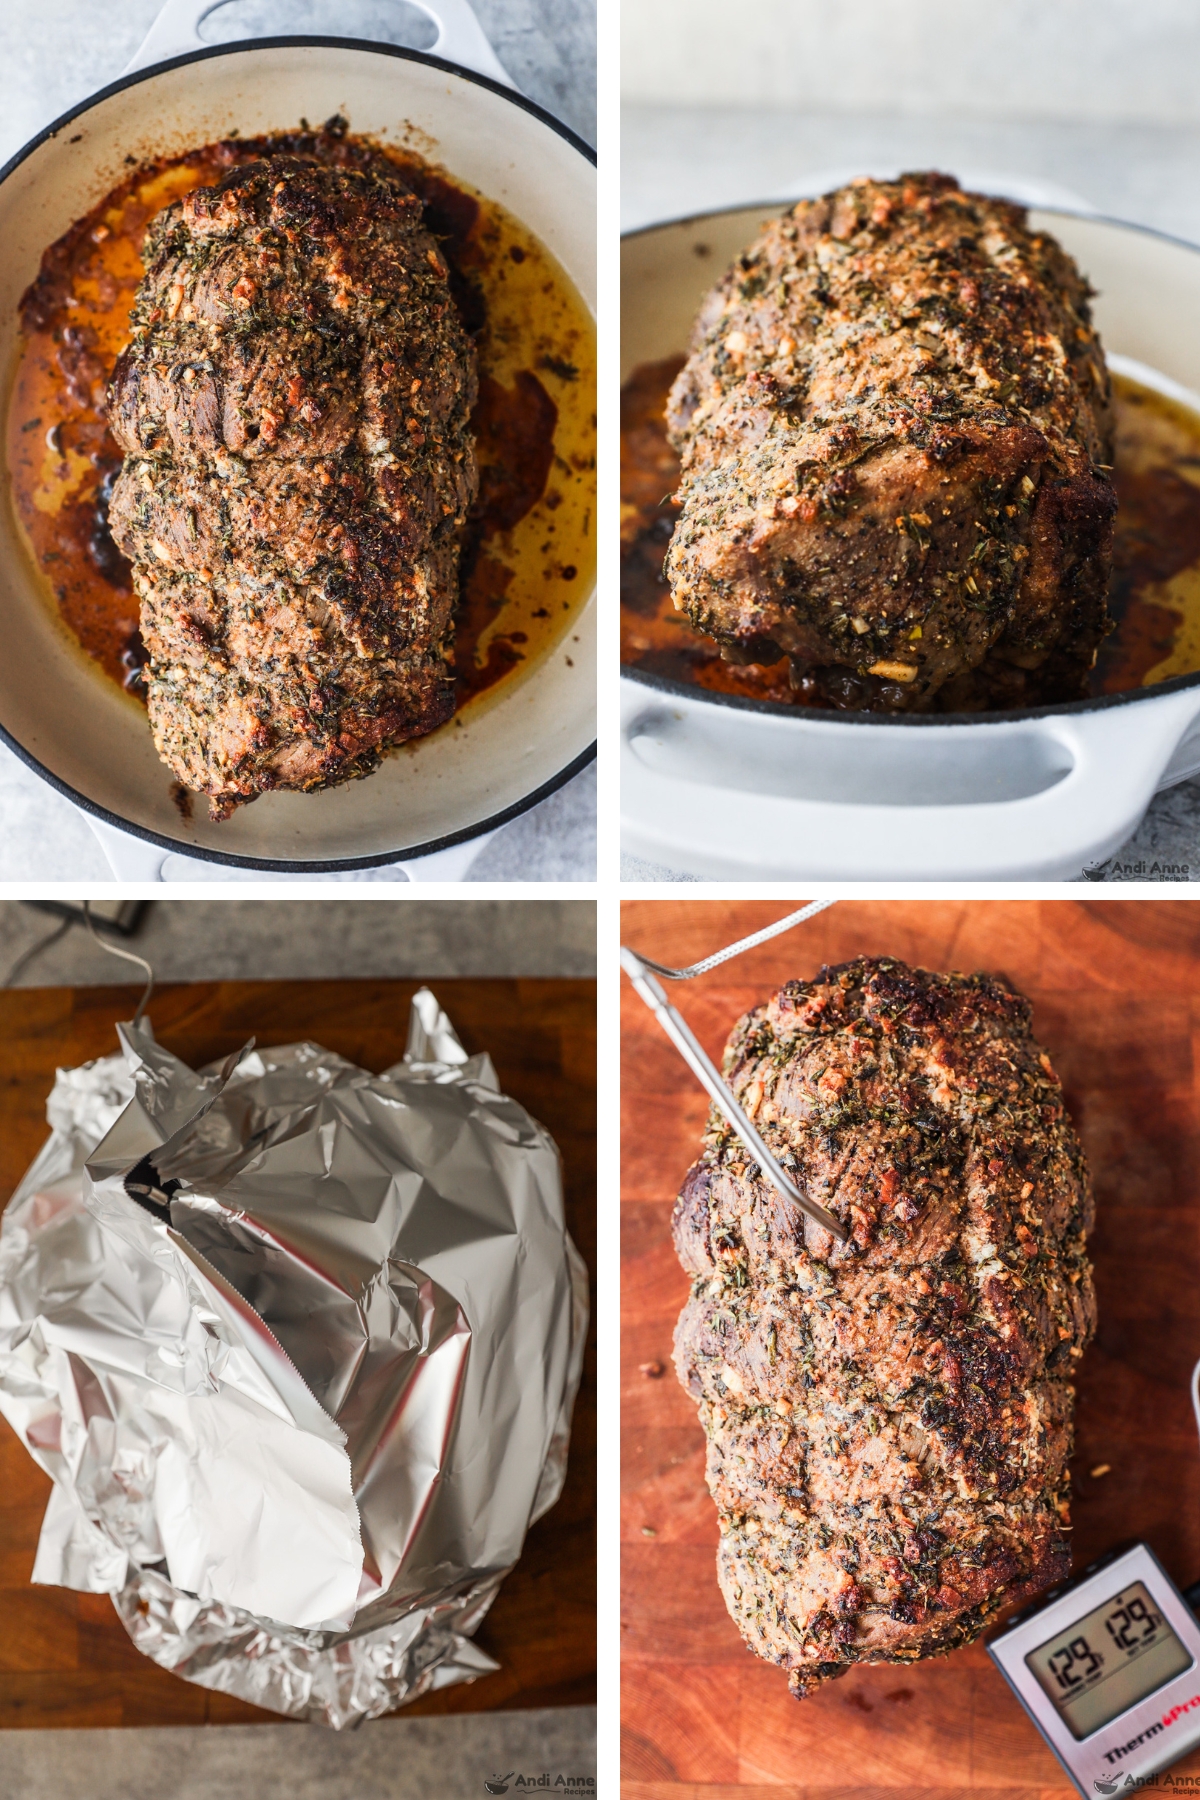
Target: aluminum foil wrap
299	1346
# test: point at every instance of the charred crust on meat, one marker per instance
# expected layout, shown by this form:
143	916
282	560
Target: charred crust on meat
294	411
895	427
888	1420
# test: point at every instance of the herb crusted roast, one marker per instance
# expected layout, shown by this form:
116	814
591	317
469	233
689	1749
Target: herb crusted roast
888	1420
896	430
294	410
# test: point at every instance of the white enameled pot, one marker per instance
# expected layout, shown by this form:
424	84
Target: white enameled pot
729	789
430	804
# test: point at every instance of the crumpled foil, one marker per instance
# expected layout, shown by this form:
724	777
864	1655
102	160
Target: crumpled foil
299	1346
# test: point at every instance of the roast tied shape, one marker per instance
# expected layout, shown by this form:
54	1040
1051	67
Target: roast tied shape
889	1419
294	409
896	427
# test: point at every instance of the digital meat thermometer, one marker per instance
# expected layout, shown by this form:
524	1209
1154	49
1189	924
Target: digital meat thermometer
1108	1668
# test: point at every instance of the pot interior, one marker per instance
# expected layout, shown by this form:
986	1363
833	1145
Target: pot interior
54	704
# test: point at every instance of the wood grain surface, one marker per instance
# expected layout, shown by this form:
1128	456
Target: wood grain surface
64	1657
1114	985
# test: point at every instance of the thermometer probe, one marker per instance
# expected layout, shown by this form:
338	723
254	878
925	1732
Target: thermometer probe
642	972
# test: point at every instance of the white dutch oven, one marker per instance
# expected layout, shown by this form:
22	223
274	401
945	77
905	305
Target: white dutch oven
731	789
89	741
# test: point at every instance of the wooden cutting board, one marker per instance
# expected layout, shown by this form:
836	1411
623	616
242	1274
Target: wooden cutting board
1116	998
64	1657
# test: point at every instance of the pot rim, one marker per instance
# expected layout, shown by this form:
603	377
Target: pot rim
292	866
780	709
247	46
281	865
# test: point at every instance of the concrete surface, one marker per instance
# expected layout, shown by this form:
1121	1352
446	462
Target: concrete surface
55	55
278	940
678	160
1107	60
391	1759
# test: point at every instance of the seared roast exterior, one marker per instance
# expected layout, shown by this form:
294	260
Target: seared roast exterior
294	409
896	433
888	1420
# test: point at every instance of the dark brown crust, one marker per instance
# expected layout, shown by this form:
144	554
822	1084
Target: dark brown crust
896	425
889	1420
294	410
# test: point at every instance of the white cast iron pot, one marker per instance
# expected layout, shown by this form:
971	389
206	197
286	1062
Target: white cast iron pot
438	799
730	789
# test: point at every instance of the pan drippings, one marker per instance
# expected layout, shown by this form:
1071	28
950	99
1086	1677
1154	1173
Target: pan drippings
1155	592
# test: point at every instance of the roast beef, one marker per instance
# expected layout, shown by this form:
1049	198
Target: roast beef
896	433
889	1419
294	410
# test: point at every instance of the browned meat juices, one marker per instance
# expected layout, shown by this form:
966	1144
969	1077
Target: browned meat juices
888	1420
294	411
896	432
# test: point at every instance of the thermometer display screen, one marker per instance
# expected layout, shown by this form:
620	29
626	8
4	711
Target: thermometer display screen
1108	1660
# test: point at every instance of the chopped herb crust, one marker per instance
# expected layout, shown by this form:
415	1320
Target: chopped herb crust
888	1420
896	433
294	412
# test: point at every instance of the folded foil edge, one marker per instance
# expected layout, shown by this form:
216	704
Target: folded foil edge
228	1648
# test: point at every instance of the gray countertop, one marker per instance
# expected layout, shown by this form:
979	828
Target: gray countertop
389	1759
55	55
678	160
306	940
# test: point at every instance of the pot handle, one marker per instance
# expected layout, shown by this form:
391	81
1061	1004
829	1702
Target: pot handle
132	859
446	865
1116	759
461	38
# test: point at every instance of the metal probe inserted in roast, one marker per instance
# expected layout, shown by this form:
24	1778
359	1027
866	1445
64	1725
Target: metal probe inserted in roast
638	969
